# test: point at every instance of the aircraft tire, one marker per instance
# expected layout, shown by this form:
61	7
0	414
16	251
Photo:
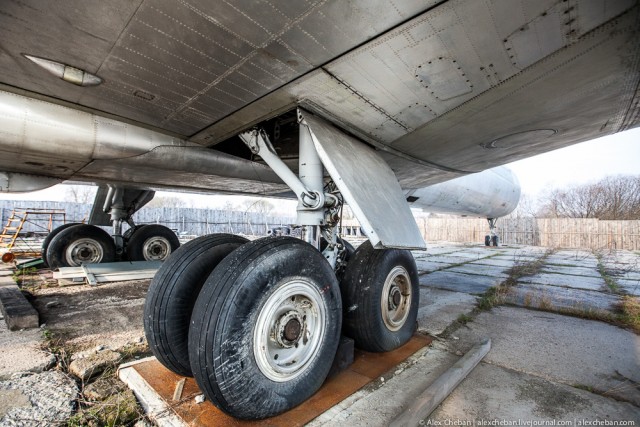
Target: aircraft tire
487	240
80	244
265	328
380	297
50	236
495	240
127	234
153	242
172	295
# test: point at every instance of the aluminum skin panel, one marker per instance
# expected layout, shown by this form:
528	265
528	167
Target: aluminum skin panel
370	189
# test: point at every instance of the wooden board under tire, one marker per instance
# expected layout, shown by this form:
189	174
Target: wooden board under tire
155	385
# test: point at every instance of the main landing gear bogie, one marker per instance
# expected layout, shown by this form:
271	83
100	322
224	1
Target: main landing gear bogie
258	323
265	328
75	244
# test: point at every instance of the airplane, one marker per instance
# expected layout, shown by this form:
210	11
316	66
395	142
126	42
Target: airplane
365	103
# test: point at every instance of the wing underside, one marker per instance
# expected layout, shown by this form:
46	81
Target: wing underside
441	89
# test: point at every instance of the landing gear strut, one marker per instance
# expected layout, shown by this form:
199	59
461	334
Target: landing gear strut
492	238
265	325
72	245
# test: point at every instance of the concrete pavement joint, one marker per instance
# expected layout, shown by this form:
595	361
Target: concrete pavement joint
449	266
495	295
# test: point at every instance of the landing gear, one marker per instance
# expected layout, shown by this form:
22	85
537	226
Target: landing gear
80	244
153	242
380	298
265	328
113	206
492	238
172	295
266	322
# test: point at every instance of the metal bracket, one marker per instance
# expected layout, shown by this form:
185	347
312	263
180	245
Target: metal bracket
368	186
258	142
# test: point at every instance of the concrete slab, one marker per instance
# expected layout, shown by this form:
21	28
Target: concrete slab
569	281
458	282
375	405
16	310
20	352
494	393
573	259
572	271
429	266
554	297
482	270
631	287
627	275
475	255
559	348
517	259
44	399
495	262
621	257
447	259
439	308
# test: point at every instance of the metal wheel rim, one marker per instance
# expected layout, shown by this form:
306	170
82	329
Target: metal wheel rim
84	251
275	360
156	248
395	315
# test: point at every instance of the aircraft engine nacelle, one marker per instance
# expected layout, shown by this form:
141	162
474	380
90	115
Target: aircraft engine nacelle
493	193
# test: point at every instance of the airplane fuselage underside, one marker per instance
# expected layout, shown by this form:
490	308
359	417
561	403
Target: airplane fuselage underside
330	102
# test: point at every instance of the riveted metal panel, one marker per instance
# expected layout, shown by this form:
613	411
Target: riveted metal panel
371	190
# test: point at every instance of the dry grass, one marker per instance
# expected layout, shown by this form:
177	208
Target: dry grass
630	312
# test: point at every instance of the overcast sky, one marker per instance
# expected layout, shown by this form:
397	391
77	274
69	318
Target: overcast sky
580	163
589	161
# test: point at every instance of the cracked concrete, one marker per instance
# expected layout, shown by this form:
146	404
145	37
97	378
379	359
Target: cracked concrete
542	367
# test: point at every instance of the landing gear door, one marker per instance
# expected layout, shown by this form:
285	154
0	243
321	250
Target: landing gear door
368	185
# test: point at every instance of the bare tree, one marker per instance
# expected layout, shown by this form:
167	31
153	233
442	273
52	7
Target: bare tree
527	208
260	206
81	193
167	202
612	198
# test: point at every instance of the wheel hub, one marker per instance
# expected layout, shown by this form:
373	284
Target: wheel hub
396	298
292	330
84	251
156	249
289	330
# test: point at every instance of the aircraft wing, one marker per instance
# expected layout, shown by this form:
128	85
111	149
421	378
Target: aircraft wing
440	88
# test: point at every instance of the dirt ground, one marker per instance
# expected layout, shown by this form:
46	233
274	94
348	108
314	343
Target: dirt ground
88	316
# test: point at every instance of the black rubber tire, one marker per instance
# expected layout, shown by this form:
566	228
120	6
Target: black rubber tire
50	236
127	234
487	240
221	347
172	295
495	240
56	252
362	288
135	246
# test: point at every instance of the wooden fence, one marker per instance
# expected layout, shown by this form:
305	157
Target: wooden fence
547	232
196	222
